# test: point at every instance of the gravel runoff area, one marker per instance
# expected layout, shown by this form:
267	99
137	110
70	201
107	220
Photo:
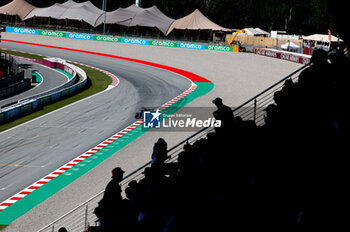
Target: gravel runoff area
237	77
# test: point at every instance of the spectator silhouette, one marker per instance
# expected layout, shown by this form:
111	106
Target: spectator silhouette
111	202
99	223
225	114
318	74
315	75
340	94
160	153
132	190
314	92
272	115
113	189
62	229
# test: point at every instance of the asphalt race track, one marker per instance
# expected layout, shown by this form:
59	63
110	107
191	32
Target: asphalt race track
52	79
32	150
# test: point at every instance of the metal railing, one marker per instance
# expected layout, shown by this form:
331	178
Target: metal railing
78	218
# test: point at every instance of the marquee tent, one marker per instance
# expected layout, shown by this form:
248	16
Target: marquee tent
17	7
121	16
289	45
195	21
55	11
85	11
321	38
256	32
137	16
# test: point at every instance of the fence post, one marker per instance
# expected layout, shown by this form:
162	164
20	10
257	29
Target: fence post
86	217
255	103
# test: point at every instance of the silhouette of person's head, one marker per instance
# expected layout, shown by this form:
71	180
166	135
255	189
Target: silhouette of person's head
97	211
187	147
161	142
149	172
217	101
319	57
62	229
130	191
117	173
338	57
288	83
277	97
271	111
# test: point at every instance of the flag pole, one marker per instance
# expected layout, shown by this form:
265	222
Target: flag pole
104	21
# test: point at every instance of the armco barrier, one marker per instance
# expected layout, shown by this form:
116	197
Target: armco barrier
283	55
113	39
35	102
62	65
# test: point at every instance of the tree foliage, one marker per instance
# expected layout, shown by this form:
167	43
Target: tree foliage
293	16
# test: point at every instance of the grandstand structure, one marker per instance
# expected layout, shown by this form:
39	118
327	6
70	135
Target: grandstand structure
12	77
270	167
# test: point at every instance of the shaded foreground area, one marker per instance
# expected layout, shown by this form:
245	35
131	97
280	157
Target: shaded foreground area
288	173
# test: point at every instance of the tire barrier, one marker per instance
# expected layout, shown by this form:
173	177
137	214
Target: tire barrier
13	79
283	55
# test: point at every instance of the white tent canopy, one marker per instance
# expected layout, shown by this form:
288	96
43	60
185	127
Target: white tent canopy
137	16
255	32
121	16
85	11
152	17
55	11
289	45
196	21
17	7
321	38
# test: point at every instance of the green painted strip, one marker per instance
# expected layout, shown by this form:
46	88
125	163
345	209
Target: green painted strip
38	77
64	73
36	197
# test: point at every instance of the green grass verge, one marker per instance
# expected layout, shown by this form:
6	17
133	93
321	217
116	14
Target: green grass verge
2	227
98	82
37	57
